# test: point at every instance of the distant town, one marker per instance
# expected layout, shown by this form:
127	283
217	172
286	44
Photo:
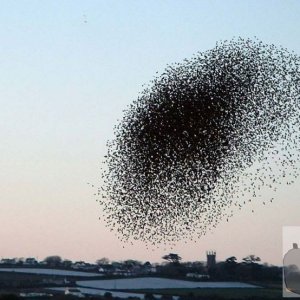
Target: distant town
172	266
132	279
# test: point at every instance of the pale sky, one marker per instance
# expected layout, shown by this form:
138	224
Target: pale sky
68	70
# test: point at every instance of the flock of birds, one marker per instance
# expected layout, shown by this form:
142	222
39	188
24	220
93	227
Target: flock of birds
202	139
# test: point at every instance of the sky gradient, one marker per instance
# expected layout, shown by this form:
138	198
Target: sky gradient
68	71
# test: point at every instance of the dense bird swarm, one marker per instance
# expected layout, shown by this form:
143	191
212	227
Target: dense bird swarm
204	135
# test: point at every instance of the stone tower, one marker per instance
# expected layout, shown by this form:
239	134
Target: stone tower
211	259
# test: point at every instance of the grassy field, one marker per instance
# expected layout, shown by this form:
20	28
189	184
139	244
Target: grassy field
14	282
220	293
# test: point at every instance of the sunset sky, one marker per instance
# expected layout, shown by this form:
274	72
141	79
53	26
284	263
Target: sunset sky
68	71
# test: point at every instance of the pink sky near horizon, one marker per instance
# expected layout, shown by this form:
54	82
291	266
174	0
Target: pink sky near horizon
72	230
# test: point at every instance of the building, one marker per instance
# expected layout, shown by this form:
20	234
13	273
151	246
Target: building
30	261
211	259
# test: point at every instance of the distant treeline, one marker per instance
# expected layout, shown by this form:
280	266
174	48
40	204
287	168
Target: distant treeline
249	269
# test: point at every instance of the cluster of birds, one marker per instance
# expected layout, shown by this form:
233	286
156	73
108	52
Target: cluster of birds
202	136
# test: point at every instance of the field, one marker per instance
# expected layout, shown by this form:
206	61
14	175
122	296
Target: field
96	292
206	290
49	272
220	293
268	291
158	283
124	288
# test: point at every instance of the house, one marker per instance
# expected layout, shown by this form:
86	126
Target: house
78	265
122	272
83	266
30	261
8	261
106	269
74	292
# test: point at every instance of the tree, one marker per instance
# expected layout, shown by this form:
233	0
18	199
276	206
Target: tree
253	269
108	295
130	263
230	266
20	261
173	268
66	263
149	296
251	259
147	264
172	258
231	260
53	261
102	261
